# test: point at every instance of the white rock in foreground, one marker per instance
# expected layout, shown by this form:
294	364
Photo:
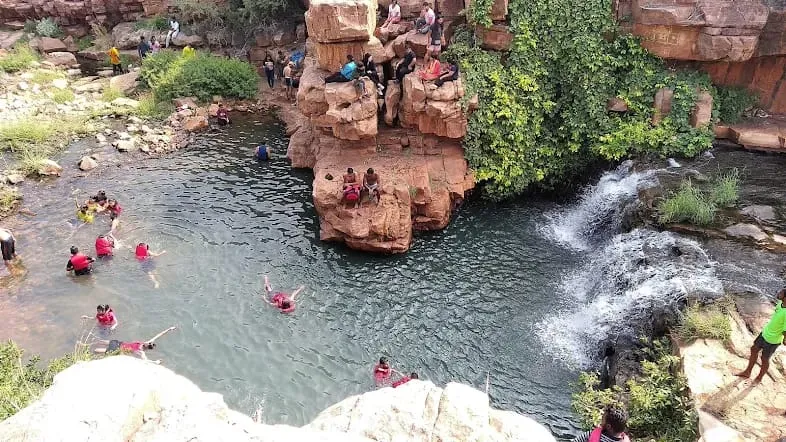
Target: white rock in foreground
152	403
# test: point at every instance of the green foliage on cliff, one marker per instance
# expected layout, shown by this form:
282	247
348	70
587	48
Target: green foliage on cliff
699	206
22	382
732	102
17	59
658	401
170	74
479	12
542	113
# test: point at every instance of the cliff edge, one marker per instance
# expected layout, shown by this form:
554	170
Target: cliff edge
152	403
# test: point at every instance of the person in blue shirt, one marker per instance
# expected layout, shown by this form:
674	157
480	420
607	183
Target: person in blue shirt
262	152
347	72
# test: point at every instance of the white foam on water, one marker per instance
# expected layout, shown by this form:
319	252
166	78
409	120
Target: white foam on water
619	287
598	211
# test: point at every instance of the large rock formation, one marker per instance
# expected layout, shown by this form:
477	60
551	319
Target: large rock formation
433	110
738	42
152	403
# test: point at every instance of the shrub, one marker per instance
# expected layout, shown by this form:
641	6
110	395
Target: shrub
47	27
110	94
23	382
17	59
150	108
658	402
732	102
688	204
32	156
171	75
85	42
45	76
159	22
8	198
18	133
710	322
61	96
725	188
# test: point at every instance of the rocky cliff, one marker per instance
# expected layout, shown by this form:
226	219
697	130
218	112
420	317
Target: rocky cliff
738	42
151	403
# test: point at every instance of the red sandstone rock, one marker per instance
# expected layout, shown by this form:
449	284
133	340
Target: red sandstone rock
335	21
65	59
662	104
419	43
47	45
499	9
392	31
433	110
392	99
350	115
449	8
195	124
331	56
497	37
759	135
311	93
702	112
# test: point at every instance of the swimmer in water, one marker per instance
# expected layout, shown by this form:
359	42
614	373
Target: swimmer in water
114	210
136	347
78	263
84	213
262	152
105	245
98	199
283	303
403	379
145	256
105	317
382	372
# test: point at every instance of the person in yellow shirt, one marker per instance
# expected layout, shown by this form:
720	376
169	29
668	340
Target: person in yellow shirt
114	60
188	52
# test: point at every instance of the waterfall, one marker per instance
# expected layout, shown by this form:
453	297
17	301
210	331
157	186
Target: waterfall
619	287
599	211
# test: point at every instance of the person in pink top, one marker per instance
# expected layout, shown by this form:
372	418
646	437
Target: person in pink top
382	372
135	347
105	317
283	303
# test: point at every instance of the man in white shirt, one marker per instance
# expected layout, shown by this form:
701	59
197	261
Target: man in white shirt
174	30
394	14
426	19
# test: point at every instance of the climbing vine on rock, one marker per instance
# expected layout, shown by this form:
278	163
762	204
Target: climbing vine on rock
542	106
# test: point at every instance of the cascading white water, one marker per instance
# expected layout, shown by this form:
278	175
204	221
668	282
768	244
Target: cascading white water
599	210
618	289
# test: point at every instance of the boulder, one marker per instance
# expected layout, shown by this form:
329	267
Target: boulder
47	45
701	115
758	135
9	39
662	104
70	43
616	104
125	36
15	178
60	83
433	110
48	167
335	21
449	9
350	115
418	42
125	83
311	92
746	231
185	102
61	59
496	37
125	145
331	57
182	40
392	99
760	212
87	163
195	124
392	31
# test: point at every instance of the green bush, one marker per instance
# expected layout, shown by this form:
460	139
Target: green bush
23	382
732	102
45	76
47	27
172	75
725	188
111	93
688	204
17	59
658	402
710	322
160	23
18	133
85	42
150	108
61	96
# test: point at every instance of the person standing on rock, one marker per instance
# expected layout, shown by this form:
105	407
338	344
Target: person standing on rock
370	68
435	38
8	249
142	48
174	31
114	60
287	72
769	339
612	428
394	14
270	70
371	184
281	62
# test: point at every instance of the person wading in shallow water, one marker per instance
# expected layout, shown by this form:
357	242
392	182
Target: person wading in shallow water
769	339
612	428
78	263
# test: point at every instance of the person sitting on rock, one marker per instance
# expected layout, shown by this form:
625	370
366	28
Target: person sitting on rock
612	428
370	70
432	70
222	115
347	72
174	31
114	60
769	339
137	347
78	263
382	372
351	187
371	184
262	152
426	19
403	378
143	48
449	74
394	14
105	317
406	65
281	301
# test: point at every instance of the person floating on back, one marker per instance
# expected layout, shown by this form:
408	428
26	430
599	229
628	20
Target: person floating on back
281	301
262	152
8	249
612	428
382	372
769	339
105	317
145	257
403	378
105	245
136	347
222	115
78	263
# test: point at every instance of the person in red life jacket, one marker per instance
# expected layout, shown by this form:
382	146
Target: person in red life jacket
283	303
114	210
105	317
404	378
135	347
105	245
222	115
612	428
79	263
382	371
145	257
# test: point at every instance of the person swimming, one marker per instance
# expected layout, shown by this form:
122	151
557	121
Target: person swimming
283	303
105	245
135	347
105	317
84	213
403	379
222	115
145	256
114	210
382	372
262	152
99	198
78	263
